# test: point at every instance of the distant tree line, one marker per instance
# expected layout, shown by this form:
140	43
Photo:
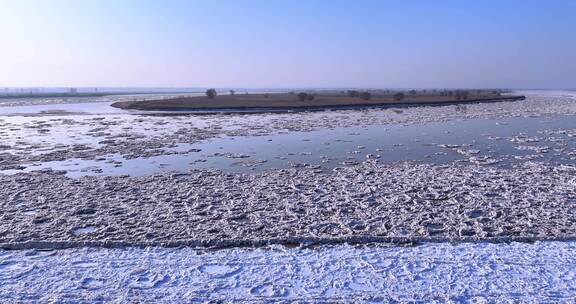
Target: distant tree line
459	94
366	95
399	96
303	96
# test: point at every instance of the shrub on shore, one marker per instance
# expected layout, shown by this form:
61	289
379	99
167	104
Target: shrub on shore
366	95
352	93
399	96
211	93
462	95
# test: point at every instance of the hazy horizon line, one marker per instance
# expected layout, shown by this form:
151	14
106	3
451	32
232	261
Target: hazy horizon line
278	88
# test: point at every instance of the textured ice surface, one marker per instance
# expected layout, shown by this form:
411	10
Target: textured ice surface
476	199
406	201
464	273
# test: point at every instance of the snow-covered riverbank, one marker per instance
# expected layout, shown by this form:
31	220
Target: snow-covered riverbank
539	272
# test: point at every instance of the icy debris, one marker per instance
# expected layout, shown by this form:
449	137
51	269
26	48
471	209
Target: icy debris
350	162
538	149
530	200
467	152
230	155
528	157
234	155
525	139
84	230
483	160
373	156
450	146
250	163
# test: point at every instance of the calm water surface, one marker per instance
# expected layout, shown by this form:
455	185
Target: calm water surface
438	143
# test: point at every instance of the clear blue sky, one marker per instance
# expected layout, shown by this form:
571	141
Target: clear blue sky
288	43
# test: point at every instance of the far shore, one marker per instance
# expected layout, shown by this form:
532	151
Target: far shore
83	94
291	102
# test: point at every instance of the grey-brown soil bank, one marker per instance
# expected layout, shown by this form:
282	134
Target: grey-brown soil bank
402	202
292	102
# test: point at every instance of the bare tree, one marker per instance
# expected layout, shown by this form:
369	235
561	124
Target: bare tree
302	96
366	95
352	93
232	92
462	94
399	96
211	93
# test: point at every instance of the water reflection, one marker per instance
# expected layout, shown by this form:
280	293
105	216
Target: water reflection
501	142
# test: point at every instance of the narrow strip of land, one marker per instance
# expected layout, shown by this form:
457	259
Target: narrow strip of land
298	101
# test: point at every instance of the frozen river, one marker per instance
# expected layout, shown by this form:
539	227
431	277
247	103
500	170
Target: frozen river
81	172
96	139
